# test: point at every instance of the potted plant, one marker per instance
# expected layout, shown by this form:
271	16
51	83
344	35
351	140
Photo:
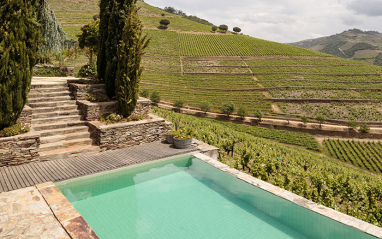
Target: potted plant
170	136
182	141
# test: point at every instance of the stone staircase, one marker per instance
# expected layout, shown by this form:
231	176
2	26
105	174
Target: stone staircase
56	118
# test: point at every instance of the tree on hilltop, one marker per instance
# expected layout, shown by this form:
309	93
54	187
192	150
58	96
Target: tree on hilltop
237	29
223	28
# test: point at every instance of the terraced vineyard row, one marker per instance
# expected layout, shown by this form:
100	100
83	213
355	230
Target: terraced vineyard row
325	94
366	155
236	45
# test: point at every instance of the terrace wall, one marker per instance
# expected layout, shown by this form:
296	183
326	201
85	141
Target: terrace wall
122	135
79	91
19	149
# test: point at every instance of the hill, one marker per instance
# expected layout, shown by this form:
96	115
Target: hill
354	44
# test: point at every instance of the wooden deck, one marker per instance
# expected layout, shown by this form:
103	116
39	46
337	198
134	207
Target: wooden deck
16	177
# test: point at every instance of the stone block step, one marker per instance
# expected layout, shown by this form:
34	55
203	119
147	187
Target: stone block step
64	144
49	90
48	99
45	86
64	137
63	131
58	125
54	109
52	104
54	114
64	118
68	152
33	95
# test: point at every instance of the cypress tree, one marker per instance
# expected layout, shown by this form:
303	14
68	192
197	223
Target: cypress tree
130	52
19	40
105	6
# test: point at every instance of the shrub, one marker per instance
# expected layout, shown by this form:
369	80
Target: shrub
20	38
164	23
205	106
88	70
320	118
223	28
178	104
242	112
14	130
364	128
49	72
145	93
88	82
214	28
237	29
155	98
228	108
304	119
115	118
258	114
97	98
352	124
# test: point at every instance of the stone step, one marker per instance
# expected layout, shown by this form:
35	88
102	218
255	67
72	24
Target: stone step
64	144
33	95
48	90
54	114
54	109
63	137
68	152
48	86
48	99
58	125
63	131
64	118
52	104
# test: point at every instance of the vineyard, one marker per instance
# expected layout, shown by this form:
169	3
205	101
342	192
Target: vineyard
365	155
326	181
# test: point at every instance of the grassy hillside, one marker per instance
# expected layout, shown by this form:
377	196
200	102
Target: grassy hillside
354	44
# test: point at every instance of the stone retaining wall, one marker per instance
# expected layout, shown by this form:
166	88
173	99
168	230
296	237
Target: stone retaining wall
79	91
90	109
19	149
122	135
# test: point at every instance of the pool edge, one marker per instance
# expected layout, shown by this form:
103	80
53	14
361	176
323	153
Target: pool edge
69	218
294	198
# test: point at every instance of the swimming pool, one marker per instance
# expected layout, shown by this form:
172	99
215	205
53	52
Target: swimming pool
184	197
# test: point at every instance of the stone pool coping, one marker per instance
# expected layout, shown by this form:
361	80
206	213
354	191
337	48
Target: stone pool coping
70	219
294	198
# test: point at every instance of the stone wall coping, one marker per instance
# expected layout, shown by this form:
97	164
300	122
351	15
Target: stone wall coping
294	198
89	103
29	135
102	126
85	85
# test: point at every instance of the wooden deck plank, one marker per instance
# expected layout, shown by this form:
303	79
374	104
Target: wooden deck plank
49	172
55	170
34	175
13	184
25	171
17	176
39	171
81	167
3	180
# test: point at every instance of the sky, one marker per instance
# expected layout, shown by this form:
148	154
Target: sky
285	21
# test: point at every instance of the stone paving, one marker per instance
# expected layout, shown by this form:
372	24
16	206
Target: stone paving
25	214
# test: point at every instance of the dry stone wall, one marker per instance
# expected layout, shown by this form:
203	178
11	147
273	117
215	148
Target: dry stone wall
122	135
79	91
19	149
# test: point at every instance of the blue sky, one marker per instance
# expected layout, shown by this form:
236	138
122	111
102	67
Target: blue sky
285	20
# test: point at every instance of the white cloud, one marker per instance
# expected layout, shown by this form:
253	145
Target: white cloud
285	20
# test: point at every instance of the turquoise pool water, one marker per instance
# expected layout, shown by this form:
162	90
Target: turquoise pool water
185	197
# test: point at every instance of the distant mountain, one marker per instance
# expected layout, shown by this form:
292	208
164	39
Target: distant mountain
354	44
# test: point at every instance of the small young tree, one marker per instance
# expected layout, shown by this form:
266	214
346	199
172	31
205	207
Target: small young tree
304	119
320	118
205	106
242	112
223	28
155	98
228	108
178	104
364	128
164	23
352	125
214	28
258	115
237	29
20	37
89	39
145	93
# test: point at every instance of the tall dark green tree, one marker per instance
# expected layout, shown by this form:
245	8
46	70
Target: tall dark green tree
19	41
105	8
129	70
